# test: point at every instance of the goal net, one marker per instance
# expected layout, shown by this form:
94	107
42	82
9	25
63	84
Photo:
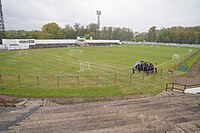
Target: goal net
155	45
175	56
190	51
85	66
23	52
76	52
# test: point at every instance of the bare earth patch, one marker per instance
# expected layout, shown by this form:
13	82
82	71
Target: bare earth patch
75	100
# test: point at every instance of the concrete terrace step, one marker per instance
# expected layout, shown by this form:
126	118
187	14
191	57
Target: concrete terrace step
18	116
111	108
59	119
144	109
164	113
110	126
101	123
37	103
50	103
189	126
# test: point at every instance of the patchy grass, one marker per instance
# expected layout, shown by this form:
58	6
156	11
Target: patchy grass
50	63
192	60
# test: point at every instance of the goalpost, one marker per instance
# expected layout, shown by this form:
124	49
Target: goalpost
155	45
175	56
76	52
190	51
23	52
85	66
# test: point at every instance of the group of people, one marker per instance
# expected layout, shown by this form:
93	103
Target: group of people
149	68
144	66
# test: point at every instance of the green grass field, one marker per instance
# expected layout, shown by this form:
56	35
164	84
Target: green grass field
105	62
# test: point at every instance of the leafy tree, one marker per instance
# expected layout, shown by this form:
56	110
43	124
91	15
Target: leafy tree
69	32
91	34
177	34
152	34
77	29
92	30
52	29
140	37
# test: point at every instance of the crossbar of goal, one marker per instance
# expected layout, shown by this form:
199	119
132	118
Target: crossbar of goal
175	56
85	66
23	52
76	52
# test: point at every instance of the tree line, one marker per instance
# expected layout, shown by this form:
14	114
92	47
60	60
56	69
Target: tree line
177	34
53	31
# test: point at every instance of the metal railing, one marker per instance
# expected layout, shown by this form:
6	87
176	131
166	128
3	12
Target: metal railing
181	87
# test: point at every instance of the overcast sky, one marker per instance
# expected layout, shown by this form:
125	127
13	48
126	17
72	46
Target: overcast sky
138	15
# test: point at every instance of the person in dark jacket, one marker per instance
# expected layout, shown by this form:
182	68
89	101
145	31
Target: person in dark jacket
133	70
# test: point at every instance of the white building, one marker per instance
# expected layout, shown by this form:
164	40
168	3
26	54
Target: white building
12	44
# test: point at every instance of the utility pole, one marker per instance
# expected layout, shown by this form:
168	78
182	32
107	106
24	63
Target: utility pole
2	26
98	23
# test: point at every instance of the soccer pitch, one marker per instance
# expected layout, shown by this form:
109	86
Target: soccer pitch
55	63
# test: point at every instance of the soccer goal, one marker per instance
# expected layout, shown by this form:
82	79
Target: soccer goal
23	52
76	52
155	45
189	50
85	66
175	56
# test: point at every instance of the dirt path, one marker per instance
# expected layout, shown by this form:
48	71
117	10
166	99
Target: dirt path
191	77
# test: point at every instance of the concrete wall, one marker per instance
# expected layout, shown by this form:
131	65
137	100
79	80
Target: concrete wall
12	44
56	41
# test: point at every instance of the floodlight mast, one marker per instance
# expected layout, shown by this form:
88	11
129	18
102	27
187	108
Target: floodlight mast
98	23
2	26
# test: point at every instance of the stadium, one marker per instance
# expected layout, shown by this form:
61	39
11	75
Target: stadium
13	44
124	74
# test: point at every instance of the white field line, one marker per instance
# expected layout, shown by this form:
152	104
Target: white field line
169	61
116	66
96	65
165	63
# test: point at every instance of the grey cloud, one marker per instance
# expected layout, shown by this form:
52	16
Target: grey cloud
136	14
